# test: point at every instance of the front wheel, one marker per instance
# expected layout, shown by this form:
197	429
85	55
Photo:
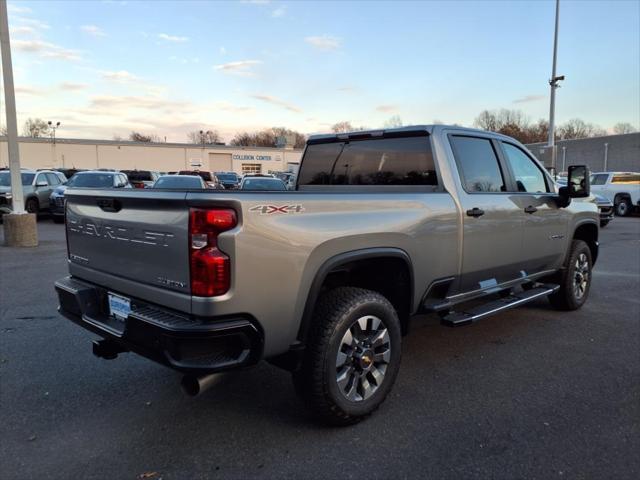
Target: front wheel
32	206
623	207
575	279
352	355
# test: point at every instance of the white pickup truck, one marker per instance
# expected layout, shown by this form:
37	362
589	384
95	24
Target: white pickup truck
622	188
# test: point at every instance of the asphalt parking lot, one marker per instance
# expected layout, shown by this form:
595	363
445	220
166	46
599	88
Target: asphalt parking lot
530	393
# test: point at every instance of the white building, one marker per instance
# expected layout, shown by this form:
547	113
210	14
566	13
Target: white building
163	157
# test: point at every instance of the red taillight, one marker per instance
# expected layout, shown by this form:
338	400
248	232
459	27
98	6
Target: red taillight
210	267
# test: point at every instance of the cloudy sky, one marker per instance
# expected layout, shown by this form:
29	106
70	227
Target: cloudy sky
109	67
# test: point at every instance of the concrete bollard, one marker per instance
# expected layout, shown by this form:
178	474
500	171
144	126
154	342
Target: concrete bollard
20	230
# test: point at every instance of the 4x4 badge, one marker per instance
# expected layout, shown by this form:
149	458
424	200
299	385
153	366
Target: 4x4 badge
277	209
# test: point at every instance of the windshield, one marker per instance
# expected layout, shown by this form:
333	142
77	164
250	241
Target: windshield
263	184
206	176
91	180
178	181
138	176
5	178
226	177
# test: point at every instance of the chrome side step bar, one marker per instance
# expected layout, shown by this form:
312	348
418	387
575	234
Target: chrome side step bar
455	319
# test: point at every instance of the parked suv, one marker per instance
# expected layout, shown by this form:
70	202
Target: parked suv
85	179
323	281
141	178
37	186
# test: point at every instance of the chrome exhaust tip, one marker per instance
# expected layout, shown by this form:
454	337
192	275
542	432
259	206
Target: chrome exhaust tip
194	385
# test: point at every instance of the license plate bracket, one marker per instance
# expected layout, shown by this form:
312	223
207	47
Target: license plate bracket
119	306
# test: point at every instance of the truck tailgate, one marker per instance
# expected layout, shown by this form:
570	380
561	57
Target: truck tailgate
134	235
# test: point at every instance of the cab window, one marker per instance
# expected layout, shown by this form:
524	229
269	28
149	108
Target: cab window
528	176
478	164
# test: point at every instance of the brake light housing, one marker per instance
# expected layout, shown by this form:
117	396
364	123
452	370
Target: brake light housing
210	267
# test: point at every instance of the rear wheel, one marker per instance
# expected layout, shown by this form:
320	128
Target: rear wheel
352	356
575	279
623	207
32	205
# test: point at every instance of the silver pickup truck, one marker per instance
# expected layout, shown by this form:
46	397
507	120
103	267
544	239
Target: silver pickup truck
323	280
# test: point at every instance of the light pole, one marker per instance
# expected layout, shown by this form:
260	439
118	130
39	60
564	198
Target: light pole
53	129
553	82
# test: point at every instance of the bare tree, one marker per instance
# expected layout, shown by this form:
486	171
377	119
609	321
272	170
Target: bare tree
35	127
623	127
141	137
342	127
208	137
267	138
393	122
576	128
3	131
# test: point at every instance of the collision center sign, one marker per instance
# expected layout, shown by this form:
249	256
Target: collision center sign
254	158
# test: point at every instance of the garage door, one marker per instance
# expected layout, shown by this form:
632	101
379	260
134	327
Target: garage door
220	162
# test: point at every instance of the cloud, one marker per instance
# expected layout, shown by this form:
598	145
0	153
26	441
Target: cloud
242	67
347	88
529	98
172	38
22	30
46	49
222	50
279	12
113	105
37	24
72	87
93	30
13	8
29	90
120	76
387	108
324	42
276	101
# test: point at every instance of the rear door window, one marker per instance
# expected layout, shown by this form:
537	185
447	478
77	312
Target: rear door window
477	164
599	178
384	161
53	179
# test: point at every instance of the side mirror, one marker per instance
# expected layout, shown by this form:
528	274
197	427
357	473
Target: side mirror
42	184
578	184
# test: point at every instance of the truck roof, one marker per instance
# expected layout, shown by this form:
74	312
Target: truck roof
380	132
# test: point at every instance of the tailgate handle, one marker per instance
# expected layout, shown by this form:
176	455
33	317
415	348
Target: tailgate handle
109	204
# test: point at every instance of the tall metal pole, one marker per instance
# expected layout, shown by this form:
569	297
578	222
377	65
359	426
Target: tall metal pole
10	102
554	84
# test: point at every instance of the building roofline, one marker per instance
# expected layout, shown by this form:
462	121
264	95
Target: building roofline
84	141
545	144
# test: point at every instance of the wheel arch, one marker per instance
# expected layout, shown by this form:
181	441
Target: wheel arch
362	261
588	232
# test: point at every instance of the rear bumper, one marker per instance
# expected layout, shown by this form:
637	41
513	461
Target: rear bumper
179	341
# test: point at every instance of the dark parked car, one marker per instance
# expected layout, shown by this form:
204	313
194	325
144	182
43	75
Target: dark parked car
209	178
229	180
180	181
86	179
141	178
68	172
262	183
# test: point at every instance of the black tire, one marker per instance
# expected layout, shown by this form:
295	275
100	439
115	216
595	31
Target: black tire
604	223
339	311
32	205
570	297
57	219
623	207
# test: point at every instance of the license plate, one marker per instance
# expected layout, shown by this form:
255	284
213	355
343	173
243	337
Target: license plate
119	307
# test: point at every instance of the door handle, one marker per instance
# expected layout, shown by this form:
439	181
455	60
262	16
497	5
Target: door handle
475	212
530	209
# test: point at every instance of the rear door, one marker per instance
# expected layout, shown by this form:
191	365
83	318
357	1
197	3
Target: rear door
544	223
492	224
119	236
